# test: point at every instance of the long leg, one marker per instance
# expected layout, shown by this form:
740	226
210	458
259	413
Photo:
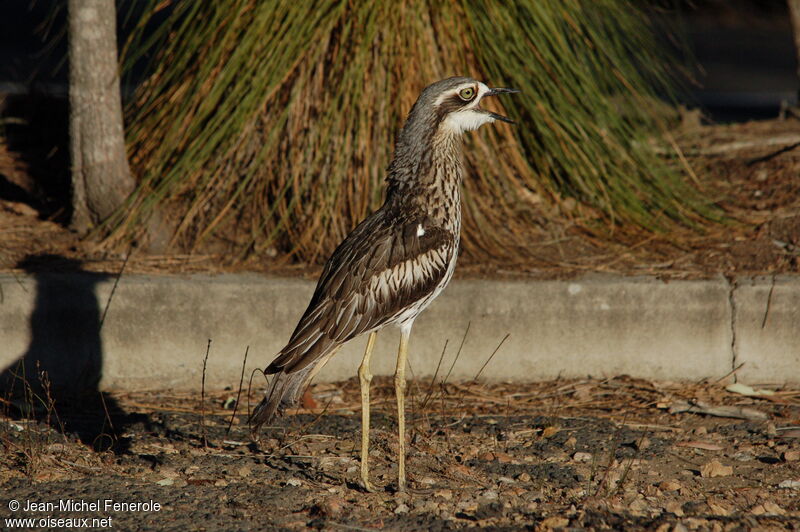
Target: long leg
400	392
365	377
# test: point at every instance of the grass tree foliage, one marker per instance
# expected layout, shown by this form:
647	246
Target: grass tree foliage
269	124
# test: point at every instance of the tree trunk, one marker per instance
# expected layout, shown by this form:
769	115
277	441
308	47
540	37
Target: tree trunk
794	12
101	177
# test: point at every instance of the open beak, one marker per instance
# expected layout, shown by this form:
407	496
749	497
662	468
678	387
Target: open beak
494	92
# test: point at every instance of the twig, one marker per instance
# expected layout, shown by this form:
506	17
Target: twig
433	379
772	155
114	288
699	407
496	349
769	302
203	397
239	392
458	354
108	417
731	372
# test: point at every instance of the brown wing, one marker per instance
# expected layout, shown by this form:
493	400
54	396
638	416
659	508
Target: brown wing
383	267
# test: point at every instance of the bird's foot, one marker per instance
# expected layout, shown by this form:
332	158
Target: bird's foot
367	486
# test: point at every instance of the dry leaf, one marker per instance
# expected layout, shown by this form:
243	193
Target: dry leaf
744	389
550	432
308	401
699	407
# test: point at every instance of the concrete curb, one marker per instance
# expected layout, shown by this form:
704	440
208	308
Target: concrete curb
154	333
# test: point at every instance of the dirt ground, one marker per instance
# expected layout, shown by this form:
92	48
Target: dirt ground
622	454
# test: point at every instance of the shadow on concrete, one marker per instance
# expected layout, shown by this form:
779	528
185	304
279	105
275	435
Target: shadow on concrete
57	378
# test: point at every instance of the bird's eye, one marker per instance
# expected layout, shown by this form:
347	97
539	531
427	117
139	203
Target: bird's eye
466	94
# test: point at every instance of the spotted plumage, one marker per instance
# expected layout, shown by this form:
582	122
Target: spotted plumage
396	261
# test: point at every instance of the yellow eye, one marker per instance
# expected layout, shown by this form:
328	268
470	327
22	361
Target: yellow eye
466	94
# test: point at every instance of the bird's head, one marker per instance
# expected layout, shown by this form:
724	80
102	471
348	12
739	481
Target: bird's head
453	105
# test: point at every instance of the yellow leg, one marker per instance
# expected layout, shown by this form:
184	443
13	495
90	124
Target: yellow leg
365	377
400	392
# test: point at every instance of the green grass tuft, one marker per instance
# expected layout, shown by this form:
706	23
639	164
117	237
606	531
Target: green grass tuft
270	124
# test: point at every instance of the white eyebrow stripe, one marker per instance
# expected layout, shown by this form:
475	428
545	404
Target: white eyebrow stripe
482	90
442	97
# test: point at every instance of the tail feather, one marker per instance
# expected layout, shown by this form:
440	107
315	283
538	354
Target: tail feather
284	391
287	385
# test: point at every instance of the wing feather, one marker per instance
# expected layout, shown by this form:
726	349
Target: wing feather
379	270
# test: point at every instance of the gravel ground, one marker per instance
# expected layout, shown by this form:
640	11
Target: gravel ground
619	453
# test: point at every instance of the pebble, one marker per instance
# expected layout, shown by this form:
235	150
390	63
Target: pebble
293	482
790	484
768	508
674	507
639	507
524	477
669	485
332	506
168	472
791	456
715	469
582	457
490	495
555	522
718	509
444	494
402	508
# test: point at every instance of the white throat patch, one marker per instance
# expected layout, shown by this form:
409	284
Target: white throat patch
467	119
